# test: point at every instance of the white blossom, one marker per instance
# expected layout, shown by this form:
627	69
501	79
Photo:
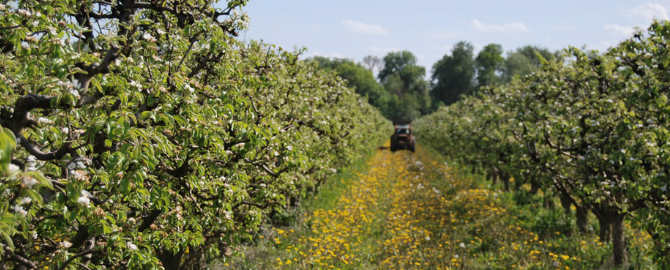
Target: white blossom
25	200
13	168
148	37
462	245
24	12
79	175
19	210
135	84
44	121
31	163
2	7
240	145
189	88
29	181
78	163
84	198
75	93
65	244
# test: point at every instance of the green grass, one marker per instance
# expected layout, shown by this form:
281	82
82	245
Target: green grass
526	236
260	253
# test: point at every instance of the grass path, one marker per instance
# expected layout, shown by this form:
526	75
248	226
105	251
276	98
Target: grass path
392	217
411	211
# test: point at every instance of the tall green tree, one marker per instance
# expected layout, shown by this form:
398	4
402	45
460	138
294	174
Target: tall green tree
525	60
453	75
358	77
402	66
402	77
372	63
489	65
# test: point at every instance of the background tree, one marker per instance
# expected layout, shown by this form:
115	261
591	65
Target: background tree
358	77
402	77
489	65
453	75
525	60
372	63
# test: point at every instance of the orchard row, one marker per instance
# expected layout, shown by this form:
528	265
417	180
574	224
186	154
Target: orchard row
142	134
591	128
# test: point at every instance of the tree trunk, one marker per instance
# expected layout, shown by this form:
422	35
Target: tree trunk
496	175
548	201
618	239
534	186
566	203
582	218
517	183
170	260
605	226
505	180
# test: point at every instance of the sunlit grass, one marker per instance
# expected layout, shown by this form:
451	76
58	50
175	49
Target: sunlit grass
413	211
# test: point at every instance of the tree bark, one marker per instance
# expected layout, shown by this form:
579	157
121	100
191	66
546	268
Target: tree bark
496	175
618	239
505	180
582	218
605	226
170	260
548	201
534	186
566	203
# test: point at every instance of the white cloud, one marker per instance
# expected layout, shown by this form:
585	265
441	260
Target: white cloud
365	28
620	29
651	11
499	28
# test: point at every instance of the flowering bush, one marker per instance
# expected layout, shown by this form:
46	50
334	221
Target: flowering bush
591	128
143	134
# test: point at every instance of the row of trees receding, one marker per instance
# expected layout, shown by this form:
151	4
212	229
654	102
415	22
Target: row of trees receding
591	128
402	93
141	134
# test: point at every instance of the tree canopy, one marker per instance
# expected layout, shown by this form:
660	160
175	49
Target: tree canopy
489	65
454	74
144	135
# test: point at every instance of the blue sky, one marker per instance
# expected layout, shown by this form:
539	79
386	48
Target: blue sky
430	28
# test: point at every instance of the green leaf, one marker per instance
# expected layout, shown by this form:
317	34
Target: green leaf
7	145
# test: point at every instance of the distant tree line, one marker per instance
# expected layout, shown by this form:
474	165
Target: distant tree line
401	91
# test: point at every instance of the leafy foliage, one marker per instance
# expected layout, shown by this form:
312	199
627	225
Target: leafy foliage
590	128
489	64
454	75
142	134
